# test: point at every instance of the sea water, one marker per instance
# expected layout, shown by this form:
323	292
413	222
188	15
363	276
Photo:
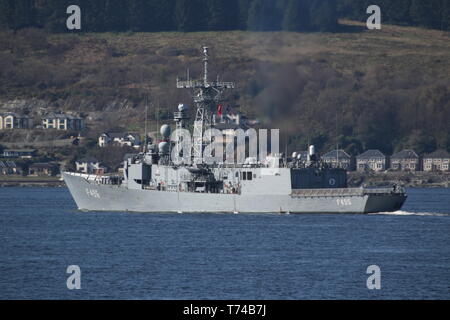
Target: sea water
221	256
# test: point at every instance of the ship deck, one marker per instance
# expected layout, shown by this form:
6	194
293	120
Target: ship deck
342	192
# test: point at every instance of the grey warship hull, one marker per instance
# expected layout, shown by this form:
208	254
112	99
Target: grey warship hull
92	196
185	173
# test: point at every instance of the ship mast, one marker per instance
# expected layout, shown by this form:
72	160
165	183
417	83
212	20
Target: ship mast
206	97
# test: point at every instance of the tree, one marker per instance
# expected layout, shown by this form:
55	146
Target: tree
18	14
94	16
6	13
296	16
264	15
222	15
161	15
441	14
139	15
324	15
116	15
420	12
421	142
396	11
431	14
189	15
243	7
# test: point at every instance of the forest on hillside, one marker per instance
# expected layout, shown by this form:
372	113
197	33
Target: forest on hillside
218	15
387	89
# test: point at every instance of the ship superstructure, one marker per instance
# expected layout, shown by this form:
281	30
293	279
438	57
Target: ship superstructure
157	180
206	96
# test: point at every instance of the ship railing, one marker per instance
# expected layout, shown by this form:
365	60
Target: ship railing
91	178
395	189
343	192
328	192
201	84
81	175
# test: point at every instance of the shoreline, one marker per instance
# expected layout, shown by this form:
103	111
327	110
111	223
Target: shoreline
417	179
20	181
355	179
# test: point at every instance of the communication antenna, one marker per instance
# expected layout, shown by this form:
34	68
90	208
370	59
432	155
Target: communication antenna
205	60
145	125
206	96
337	142
157	121
144	92
285	148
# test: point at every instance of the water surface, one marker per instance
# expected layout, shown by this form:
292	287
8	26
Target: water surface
221	256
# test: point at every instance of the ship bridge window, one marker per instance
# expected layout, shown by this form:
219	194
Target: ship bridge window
247	175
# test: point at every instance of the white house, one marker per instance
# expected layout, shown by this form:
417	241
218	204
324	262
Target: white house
89	165
405	160
371	160
9	167
19	153
437	161
62	121
120	139
11	120
338	159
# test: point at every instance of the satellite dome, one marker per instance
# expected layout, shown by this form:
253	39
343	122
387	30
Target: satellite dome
182	107
294	155
163	147
165	130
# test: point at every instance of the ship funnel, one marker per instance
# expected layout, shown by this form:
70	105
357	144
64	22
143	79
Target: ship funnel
312	150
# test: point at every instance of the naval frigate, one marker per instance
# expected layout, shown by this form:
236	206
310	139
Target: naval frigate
152	181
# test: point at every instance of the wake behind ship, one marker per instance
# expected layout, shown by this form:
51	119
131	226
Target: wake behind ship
154	182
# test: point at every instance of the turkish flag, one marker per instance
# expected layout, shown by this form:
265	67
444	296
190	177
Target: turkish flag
219	110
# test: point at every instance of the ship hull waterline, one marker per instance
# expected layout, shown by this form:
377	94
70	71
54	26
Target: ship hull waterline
90	196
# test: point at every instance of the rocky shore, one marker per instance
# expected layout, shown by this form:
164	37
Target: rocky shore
405	179
20	181
355	179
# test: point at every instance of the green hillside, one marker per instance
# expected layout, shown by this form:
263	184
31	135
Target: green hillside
385	89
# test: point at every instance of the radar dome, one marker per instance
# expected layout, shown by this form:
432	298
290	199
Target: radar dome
163	147
294	155
165	130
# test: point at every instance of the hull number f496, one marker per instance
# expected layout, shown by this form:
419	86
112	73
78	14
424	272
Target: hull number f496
92	193
344	202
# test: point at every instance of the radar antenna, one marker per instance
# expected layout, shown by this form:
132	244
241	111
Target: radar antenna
206	97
